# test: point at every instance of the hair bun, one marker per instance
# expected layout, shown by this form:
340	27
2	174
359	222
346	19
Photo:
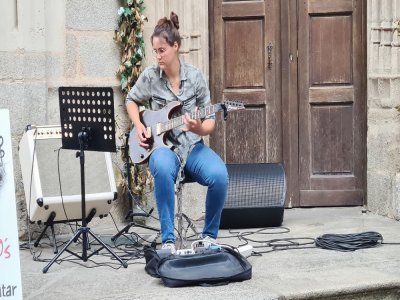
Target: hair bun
174	19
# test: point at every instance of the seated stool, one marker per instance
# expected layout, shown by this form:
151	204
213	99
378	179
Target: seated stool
180	215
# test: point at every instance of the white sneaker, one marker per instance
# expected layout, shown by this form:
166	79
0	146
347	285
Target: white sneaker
204	243
169	246
208	241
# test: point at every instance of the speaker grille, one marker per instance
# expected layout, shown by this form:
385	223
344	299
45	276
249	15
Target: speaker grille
38	152
256	196
256	185
95	170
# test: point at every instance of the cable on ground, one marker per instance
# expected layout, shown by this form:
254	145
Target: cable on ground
349	242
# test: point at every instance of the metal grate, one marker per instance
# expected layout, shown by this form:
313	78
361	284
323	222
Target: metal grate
256	185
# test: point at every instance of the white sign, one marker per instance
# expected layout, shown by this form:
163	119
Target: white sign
10	271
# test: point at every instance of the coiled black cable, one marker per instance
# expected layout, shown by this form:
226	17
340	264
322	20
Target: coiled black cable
349	242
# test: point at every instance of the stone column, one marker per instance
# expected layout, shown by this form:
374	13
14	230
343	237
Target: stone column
383	108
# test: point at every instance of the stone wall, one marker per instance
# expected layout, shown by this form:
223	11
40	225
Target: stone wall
46	44
383	138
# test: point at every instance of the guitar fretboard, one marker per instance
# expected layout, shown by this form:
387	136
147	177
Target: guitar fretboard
199	114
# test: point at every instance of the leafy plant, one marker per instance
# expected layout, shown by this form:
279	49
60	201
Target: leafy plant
129	36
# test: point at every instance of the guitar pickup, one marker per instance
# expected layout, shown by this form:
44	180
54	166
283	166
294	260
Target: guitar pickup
158	128
148	129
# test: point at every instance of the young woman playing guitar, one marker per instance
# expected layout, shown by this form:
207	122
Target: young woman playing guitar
185	153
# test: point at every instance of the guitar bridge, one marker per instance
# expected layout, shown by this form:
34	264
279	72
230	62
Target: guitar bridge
148	129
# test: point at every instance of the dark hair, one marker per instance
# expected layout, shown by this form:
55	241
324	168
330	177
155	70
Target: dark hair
168	29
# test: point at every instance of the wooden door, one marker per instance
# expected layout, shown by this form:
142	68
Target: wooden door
245	66
332	104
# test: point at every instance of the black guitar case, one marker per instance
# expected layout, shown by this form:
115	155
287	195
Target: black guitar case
211	267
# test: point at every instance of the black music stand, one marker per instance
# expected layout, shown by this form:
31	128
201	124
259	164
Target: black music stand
87	123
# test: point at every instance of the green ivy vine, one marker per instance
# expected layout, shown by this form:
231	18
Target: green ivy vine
130	38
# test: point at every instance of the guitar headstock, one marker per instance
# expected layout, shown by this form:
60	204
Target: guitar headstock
233	105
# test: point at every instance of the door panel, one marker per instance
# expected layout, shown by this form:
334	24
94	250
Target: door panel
330	50
331	108
244	66
332	141
252	132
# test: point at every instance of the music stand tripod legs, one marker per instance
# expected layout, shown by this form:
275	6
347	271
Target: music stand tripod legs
83	230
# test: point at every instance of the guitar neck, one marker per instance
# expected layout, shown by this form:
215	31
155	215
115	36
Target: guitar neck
199	114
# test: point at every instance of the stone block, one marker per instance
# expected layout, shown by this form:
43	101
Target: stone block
34	65
193	200
92	15
395	92
152	14
55	25
149	57
185	46
385	13
373	7
26	102
396	60
383	88
395	204
379	187
35	100
373	59
386	103
53	107
22	65
195	41
384	62
54	66
379	115
99	55
383	139
19	188
386	37
32	25
71	56
12	65
375	36
373	100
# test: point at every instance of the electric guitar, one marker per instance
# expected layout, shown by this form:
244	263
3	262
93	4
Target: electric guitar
158	123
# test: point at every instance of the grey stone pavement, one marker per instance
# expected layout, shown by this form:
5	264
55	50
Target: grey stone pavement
313	273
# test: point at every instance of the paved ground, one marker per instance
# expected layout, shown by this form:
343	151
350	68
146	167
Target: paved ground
313	273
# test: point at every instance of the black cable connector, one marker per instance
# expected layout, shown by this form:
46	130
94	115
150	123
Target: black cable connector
349	242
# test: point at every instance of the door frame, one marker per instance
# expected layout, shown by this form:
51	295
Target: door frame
289	94
290	100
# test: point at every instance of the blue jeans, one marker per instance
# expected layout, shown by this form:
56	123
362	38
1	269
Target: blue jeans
203	166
